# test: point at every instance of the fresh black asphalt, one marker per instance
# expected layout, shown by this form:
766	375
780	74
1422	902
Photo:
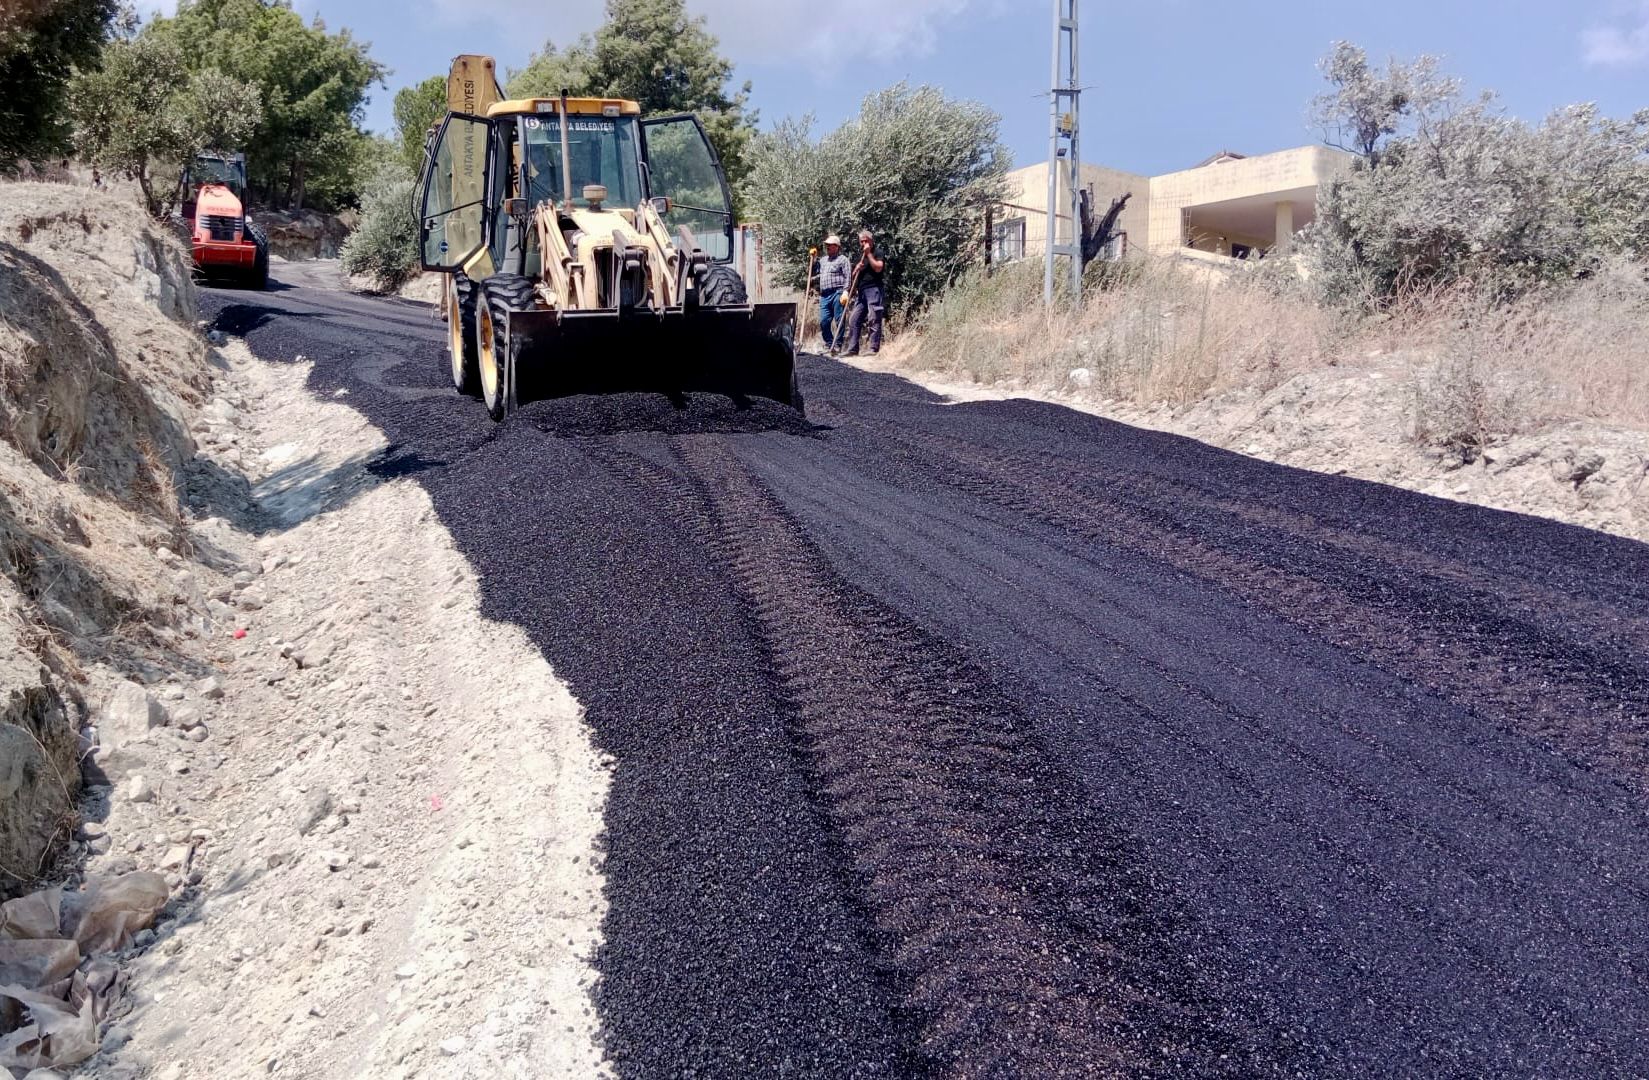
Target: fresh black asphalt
999	740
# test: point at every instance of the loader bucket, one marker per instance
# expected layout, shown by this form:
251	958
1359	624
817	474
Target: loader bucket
743	351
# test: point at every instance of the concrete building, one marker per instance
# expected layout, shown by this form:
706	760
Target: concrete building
1229	205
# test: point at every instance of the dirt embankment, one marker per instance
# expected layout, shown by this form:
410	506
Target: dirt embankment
102	375
245	672
297	235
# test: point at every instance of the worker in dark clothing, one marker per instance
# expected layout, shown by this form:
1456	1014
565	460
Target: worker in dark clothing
869	299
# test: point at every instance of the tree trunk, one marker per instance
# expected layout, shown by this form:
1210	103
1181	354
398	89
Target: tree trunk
297	198
143	182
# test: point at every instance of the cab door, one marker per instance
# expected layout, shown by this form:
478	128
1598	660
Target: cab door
454	210
683	167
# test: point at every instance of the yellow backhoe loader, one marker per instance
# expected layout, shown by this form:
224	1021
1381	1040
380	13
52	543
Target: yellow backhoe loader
589	251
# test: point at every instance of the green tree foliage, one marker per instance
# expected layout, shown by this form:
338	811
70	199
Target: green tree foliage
552	70
41	43
144	114
654	53
385	244
352	158
915	167
416	109
1366	107
313	86
1447	190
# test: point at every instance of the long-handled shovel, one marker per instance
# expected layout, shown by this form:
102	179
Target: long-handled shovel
807	294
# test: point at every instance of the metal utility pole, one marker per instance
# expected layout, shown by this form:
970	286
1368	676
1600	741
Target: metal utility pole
1064	160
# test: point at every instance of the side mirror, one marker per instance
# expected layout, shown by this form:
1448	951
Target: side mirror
660	204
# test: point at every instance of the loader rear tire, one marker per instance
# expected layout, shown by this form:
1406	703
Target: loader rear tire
466	379
721	286
503	293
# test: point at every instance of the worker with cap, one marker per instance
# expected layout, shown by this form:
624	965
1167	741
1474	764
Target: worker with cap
834	271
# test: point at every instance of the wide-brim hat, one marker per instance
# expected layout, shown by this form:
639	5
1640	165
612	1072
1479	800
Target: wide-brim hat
833	239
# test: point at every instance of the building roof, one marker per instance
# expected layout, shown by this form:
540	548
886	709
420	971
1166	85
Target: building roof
1222	156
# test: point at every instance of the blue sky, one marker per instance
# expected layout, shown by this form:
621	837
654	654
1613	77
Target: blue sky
1169	81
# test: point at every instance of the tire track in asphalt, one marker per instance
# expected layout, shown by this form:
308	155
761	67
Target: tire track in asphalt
1589	697
977	865
1143	641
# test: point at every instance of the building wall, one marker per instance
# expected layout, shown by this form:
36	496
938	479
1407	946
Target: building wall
1028	199
1172	193
1155	219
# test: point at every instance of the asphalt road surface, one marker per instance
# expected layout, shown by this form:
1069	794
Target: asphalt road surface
999	740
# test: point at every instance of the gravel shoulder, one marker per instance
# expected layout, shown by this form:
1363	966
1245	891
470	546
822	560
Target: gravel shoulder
392	816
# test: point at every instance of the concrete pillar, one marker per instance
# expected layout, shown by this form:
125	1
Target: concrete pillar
1284	243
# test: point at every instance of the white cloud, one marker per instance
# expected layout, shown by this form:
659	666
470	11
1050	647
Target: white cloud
1623	43
751	31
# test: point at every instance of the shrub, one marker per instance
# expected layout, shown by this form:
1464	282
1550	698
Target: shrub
384	246
1480	368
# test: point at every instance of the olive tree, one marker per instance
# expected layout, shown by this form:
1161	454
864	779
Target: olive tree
142	113
916	168
1448	190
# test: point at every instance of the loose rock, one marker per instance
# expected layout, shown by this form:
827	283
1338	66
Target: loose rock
138	789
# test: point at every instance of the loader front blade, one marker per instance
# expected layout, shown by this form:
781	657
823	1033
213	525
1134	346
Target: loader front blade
744	351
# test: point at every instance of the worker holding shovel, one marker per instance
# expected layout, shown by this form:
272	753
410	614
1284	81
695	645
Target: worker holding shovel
867	297
833	275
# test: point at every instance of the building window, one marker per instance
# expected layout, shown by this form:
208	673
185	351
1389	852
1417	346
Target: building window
1008	240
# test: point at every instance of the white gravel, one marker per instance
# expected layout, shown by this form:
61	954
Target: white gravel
393	806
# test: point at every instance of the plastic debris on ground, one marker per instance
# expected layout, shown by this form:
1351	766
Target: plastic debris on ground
56	990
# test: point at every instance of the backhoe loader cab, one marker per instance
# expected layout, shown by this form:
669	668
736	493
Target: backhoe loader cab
591	252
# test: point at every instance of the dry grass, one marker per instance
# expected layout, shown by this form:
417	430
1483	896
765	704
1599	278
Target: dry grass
1158	331
1153	333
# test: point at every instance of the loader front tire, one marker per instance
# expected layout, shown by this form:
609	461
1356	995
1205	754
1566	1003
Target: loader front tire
260	260
795	401
466	379
721	286
502	293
